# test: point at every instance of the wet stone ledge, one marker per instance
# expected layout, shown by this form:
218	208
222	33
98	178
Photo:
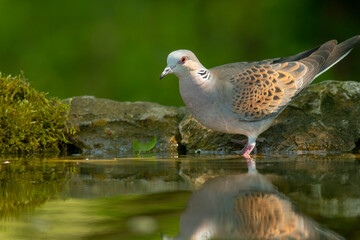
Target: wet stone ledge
323	118
109	127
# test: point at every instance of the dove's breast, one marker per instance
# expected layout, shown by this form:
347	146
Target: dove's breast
209	107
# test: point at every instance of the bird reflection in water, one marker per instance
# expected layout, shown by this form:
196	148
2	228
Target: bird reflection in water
245	206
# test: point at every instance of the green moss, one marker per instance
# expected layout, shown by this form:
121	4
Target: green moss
31	123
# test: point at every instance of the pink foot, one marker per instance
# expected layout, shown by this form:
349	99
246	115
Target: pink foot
248	149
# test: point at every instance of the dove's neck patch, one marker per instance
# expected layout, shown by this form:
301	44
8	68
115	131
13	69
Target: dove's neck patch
204	74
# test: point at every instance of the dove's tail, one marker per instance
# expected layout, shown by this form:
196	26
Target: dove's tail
339	52
321	58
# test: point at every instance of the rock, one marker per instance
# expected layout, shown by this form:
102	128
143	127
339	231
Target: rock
325	117
109	127
196	137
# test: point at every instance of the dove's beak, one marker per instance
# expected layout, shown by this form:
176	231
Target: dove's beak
166	71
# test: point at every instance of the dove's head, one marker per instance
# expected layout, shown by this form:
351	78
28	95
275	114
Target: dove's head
181	62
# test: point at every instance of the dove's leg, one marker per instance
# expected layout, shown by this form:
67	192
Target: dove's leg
250	145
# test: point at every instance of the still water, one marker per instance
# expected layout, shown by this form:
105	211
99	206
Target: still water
185	197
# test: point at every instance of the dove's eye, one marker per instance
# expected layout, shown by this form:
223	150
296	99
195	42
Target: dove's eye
183	59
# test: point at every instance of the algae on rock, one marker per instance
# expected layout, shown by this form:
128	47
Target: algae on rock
29	121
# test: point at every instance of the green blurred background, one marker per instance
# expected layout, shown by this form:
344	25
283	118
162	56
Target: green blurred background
117	49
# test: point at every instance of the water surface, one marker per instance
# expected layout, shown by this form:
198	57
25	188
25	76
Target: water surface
196	196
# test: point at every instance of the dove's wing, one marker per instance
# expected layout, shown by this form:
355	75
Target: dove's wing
259	90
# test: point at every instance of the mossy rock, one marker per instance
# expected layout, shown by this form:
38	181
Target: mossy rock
30	122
